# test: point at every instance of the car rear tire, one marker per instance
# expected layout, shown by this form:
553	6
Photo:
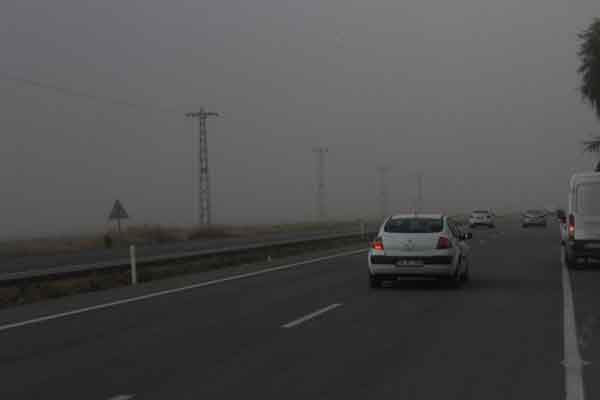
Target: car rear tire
570	260
454	282
374	282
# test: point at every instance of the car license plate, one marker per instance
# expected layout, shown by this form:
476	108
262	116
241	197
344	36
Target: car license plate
407	263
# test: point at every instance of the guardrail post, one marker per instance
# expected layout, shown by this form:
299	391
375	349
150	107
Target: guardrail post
133	264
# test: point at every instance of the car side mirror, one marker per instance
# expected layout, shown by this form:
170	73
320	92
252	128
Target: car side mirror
466	236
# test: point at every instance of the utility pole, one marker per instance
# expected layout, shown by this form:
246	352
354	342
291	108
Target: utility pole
321	209
204	211
419	191
383	191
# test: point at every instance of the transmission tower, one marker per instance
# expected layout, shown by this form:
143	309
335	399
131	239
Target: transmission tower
419	206
204	211
321	209
383	191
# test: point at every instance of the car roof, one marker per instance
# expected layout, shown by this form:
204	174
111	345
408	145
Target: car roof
417	215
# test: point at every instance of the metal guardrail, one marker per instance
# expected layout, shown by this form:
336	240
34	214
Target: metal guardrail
125	262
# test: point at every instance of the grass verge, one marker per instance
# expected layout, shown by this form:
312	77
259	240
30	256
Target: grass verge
31	291
158	234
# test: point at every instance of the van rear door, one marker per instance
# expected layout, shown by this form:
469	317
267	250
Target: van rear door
587	210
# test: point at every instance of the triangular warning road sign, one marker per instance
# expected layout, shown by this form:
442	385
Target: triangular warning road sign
118	211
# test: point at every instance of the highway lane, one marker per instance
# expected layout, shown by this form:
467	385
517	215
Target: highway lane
586	294
9	264
499	337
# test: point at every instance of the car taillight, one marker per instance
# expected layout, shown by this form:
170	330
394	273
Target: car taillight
377	244
443	243
571	227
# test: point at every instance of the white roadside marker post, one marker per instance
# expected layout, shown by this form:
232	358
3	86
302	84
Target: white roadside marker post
133	265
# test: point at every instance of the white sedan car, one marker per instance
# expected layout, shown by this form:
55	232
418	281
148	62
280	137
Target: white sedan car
426	246
534	217
481	217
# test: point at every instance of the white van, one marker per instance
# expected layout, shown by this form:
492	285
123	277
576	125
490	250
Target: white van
582	221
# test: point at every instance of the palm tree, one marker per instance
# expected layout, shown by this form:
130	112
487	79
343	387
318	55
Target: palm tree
589	69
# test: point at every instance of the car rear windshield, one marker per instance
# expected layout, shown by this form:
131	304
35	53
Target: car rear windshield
588	199
414	225
534	212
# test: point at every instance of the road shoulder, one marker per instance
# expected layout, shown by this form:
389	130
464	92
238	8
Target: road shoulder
123	294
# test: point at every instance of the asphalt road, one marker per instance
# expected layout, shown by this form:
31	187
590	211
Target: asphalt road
316	331
9	264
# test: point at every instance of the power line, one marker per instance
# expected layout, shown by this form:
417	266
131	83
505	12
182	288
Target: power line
70	92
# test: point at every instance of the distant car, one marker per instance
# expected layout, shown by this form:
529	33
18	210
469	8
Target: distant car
533	218
562	221
583	220
481	217
411	245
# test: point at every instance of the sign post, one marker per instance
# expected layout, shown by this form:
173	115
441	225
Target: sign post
118	213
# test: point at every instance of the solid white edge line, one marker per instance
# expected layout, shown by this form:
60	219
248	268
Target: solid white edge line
312	315
572	358
175	290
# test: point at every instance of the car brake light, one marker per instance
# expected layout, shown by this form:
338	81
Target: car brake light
571	227
443	243
377	244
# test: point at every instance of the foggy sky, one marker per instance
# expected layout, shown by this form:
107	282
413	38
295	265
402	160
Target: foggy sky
479	95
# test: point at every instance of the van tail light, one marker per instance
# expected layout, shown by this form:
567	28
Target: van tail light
571	227
443	243
377	244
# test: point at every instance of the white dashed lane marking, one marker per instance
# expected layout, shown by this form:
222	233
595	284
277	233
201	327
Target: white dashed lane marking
312	315
144	297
